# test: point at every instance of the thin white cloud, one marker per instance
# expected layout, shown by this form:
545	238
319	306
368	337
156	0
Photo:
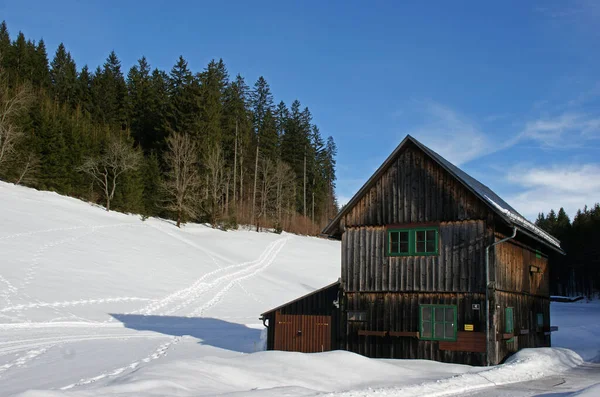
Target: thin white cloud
454	136
567	130
542	189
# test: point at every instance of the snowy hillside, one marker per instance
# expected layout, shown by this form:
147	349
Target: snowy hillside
83	291
105	304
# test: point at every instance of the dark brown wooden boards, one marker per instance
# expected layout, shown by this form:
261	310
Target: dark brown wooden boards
300	333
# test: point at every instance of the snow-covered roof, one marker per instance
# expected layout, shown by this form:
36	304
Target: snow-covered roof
501	207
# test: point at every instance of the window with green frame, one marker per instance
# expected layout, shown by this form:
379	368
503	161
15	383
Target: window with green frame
417	241
437	322
509	322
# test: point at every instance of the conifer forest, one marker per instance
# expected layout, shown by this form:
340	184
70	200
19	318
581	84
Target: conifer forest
186	145
577	272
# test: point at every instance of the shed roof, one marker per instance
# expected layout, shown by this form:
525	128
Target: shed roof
495	202
335	284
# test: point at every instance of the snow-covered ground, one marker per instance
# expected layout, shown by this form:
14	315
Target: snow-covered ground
105	304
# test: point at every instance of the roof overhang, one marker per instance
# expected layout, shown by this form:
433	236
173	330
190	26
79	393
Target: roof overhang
338	282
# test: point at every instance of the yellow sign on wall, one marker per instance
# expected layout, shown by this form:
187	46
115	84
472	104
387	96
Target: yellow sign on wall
468	327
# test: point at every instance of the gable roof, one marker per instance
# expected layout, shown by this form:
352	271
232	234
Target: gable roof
495	202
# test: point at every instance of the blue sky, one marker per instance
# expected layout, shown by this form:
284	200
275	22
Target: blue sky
509	91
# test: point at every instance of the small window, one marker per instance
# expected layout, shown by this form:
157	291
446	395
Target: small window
404	242
399	242
540	321
426	241
509	322
357	316
438	322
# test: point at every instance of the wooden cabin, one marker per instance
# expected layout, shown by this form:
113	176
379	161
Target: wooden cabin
436	266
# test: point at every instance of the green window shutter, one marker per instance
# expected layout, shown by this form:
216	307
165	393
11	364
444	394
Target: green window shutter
540	321
438	322
509	321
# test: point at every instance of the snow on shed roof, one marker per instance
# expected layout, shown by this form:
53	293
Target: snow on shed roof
501	207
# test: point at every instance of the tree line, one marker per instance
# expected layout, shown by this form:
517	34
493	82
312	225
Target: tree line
185	145
577	272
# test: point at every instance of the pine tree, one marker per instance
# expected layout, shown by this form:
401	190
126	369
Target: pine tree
213	82
63	75
269	140
84	92
4	45
40	76
21	60
112	93
183	91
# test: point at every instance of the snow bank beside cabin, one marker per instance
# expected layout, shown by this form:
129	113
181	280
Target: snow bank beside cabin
591	391
525	365
297	374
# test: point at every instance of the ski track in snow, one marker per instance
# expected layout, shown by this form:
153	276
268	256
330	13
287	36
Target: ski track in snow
221	280
243	275
161	351
7	291
188	296
31	272
80	302
23	359
20	345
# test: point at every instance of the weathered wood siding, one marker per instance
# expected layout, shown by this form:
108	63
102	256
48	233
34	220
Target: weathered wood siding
513	273
525	309
525	291
460	266
415	189
400	312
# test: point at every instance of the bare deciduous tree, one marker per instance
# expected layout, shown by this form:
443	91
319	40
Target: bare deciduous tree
12	105
214	161
266	171
106	169
183	180
285	190
29	168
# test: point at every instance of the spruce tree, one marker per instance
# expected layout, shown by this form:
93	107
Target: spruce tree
63	75
213	82
40	74
183	109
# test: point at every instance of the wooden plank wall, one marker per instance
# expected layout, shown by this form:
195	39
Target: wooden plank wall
512	269
460	266
399	312
415	189
525	309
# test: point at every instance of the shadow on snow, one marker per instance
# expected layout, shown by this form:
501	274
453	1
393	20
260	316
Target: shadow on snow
210	331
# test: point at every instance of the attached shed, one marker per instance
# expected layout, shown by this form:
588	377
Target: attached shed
307	324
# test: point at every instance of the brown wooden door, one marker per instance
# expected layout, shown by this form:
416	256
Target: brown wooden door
301	333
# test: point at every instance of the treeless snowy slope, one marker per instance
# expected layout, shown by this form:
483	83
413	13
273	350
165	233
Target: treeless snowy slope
87	296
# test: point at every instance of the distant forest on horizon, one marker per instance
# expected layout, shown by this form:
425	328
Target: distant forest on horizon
577	272
190	146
